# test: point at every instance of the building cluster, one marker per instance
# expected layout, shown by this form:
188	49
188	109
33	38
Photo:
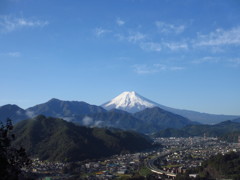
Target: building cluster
42	169
118	165
110	168
180	154
176	156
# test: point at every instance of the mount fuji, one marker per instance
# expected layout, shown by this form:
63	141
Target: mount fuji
130	102
133	102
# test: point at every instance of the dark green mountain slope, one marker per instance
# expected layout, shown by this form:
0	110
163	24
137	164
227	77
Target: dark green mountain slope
162	119
219	130
231	137
113	118
221	167
146	121
236	120
57	140
13	112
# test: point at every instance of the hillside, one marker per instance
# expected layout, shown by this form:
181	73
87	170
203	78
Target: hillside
147	121
236	120
113	119
64	109
133	102
13	112
162	119
219	130
221	167
57	140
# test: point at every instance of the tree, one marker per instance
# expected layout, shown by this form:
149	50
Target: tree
12	159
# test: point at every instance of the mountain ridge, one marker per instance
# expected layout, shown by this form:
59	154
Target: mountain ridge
12	111
217	130
57	140
72	110
204	118
160	117
146	121
129	101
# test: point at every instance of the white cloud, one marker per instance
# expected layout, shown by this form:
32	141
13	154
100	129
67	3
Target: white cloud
207	59
155	68
169	28
144	69
157	47
120	22
174	46
30	114
87	121
14	54
132	37
229	62
162	67
9	23
235	62
11	54
69	119
98	123
19	112
100	31
177	68
135	37
151	46
220	37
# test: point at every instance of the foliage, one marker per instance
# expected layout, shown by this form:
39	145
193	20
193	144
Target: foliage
227	165
231	137
158	118
58	140
146	121
144	171
13	111
221	166
12	159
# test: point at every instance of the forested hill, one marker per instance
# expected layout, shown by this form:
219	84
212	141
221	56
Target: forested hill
222	167
58	140
226	129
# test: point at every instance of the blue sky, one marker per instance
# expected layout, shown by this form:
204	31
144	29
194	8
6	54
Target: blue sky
182	54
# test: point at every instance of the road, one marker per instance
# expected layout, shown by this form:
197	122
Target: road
154	169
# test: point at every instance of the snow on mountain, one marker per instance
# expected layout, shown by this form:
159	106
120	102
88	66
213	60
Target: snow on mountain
130	102
133	102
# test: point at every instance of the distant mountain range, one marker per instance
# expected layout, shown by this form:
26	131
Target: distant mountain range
128	111
58	140
13	112
133	102
236	120
146	121
162	119
67	110
227	130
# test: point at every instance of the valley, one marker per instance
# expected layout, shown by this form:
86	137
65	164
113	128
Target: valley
176	157
120	90
126	138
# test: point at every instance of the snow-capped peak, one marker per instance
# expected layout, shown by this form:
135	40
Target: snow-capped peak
129	101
